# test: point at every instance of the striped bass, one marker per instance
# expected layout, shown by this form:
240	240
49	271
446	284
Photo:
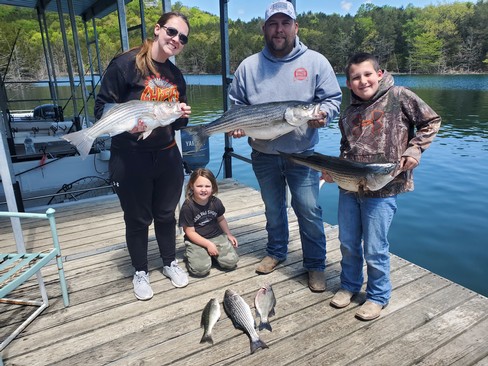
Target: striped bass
123	117
348	174
265	121
240	314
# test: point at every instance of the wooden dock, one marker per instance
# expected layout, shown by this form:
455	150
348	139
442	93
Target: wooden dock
429	321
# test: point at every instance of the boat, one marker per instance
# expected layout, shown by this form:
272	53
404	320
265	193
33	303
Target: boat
45	169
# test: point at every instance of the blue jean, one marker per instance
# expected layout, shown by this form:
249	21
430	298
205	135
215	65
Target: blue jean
368	219
273	174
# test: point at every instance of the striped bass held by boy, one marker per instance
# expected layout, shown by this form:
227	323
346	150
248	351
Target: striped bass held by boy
124	117
265	121
348	174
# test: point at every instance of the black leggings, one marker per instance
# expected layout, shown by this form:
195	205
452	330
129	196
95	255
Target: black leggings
149	186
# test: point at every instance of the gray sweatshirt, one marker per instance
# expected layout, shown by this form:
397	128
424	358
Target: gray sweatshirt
303	75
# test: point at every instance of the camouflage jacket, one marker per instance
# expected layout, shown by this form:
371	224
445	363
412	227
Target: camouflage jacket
392	124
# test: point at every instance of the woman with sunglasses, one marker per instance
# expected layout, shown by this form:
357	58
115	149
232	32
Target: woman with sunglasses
147	174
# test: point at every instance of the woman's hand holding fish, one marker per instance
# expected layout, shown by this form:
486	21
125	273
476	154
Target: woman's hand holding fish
186	109
408	163
140	127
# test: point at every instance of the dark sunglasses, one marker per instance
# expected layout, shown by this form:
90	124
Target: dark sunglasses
173	32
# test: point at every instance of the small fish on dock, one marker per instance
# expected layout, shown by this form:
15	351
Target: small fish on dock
265	302
348	174
210	316
123	117
240	314
265	121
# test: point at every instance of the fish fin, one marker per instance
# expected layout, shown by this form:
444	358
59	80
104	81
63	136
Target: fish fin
197	132
144	135
258	344
265	325
237	325
207	338
81	140
272	312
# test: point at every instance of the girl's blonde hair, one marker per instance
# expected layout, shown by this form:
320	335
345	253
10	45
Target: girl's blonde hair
201	172
144	61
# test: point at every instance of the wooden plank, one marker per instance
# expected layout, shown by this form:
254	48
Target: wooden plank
132	319
364	338
125	297
420	342
466	349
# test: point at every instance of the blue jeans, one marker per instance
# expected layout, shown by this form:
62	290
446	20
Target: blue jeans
273	174
368	219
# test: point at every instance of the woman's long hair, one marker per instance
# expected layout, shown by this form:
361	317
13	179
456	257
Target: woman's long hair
144	61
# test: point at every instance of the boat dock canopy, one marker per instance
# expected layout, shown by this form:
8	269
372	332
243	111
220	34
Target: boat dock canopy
87	9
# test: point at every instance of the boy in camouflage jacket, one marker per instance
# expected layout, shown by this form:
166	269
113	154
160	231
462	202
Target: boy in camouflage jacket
384	123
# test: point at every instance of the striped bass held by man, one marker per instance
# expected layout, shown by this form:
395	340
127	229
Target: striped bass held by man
125	117
265	121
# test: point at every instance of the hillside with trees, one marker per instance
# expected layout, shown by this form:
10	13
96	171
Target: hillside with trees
447	38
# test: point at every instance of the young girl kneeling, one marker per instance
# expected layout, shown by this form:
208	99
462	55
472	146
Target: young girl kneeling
207	233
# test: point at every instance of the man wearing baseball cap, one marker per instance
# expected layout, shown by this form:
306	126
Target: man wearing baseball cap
287	70
284	7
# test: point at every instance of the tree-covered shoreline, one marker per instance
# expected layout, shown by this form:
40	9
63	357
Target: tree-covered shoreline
436	39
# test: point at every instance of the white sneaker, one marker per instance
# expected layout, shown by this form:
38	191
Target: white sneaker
177	276
142	288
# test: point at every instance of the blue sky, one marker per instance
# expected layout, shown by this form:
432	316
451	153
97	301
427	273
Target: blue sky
248	9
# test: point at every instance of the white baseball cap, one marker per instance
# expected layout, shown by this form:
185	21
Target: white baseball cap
281	6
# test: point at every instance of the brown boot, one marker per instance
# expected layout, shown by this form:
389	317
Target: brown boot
341	299
369	311
316	281
267	265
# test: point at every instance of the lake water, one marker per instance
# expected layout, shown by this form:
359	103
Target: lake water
443	224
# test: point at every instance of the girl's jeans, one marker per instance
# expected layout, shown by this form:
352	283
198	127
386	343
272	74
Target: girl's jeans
368	219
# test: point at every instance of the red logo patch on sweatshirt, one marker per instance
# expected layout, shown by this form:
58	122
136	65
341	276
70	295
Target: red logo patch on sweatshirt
300	74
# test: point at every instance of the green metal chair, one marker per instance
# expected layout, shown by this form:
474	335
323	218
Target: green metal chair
17	268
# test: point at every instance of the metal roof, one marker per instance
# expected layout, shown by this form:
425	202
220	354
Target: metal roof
87	9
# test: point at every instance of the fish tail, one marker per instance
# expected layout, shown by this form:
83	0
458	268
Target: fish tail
81	140
198	135
265	325
207	338
255	345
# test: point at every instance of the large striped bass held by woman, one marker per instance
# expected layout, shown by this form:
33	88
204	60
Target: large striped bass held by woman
123	117
265	121
348	174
